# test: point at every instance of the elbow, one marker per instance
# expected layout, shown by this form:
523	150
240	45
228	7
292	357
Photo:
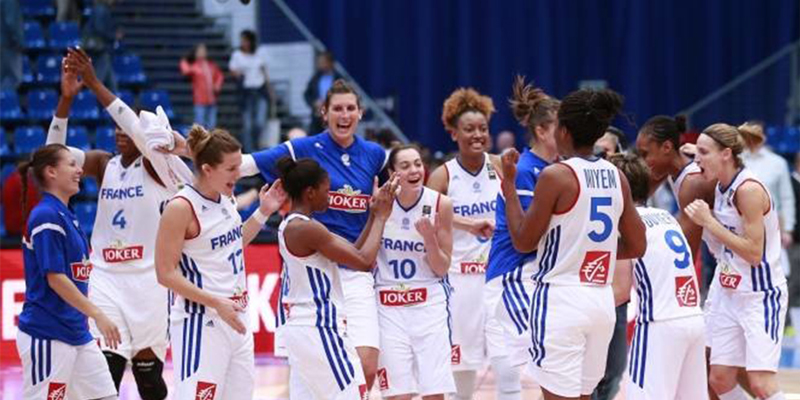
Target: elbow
163	277
754	258
638	248
520	246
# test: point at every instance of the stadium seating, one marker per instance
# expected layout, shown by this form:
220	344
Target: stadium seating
27	73
27	139
86	211
34	36
78	137
85	107
10	109
38	8
150	99
89	187
128	69
5	150
42	104
48	70
105	139
64	35
127	97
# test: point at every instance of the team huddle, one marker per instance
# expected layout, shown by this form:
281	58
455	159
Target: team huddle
413	285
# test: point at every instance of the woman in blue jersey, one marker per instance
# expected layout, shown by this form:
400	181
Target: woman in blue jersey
353	165
582	221
59	356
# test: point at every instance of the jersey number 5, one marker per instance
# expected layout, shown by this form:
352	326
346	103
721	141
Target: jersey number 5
596	215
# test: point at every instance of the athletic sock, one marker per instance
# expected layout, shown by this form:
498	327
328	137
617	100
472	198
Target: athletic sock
507	378
776	396
465	384
736	394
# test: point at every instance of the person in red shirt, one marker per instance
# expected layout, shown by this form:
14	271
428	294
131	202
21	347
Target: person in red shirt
207	82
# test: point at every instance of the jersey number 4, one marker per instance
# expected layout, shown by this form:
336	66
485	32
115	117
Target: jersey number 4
119	219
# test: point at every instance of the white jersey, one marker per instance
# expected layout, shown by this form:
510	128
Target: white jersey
312	288
474	196
580	245
129	208
214	259
714	246
733	272
403	276
665	278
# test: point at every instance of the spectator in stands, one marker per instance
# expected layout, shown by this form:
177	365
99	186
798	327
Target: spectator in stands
12	207
207	82
317	88
99	35
504	140
11	44
249	66
68	10
773	170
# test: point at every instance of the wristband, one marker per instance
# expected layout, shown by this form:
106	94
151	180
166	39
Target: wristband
259	216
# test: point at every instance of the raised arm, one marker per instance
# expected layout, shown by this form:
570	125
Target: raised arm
271	198
631	243
694	187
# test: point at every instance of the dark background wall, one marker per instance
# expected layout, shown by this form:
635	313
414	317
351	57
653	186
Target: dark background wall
661	55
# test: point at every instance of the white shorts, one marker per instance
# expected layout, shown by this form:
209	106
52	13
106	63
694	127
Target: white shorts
138	305
415	350
747	328
668	360
469	321
571	329
507	299
708	310
323	365
55	370
211	360
360	307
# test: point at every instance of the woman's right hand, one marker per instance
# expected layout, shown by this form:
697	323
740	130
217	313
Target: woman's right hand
229	311
383	200
109	330
78	60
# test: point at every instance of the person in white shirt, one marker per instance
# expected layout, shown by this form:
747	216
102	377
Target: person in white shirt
249	66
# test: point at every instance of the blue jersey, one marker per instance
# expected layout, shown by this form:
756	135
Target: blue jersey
502	256
54	244
352	171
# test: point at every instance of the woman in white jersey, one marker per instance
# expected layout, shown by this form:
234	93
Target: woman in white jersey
412	290
324	362
472	181
667	355
200	258
750	303
582	221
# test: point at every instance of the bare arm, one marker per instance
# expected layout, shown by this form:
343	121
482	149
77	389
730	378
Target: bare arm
752	201
307	237
67	290
270	201
623	281
526	229
694	187
631	227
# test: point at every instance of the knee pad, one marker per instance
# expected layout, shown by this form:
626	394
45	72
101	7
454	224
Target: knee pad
116	365
149	379
509	385
465	384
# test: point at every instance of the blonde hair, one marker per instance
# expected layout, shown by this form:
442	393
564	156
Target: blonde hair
464	100
209	147
752	133
727	137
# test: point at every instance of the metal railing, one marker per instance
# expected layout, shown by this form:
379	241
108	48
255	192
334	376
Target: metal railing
367	101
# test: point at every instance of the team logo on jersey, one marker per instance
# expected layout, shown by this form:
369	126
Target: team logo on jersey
348	200
406	223
57	391
346	159
476	187
490	171
119	253
728	278
403	296
455	354
240	297
474	267
383	379
686	291
426	210
81	270
363	393
205	391
595	267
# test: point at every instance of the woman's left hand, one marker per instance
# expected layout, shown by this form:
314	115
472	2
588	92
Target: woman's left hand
271	197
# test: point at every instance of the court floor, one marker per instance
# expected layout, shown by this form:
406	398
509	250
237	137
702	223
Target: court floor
272	383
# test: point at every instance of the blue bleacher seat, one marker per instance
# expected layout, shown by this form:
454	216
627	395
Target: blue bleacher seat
48	69
85	107
128	69
105	139
27	72
9	106
89	186
34	35
150	99
63	35
42	104
791	136
86	211
38	8
5	151
78	137
28	138
127	97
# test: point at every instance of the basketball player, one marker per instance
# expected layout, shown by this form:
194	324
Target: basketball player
323	361
583	219
353	164
201	233
413	294
508	287
750	303
667	355
59	356
472	181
